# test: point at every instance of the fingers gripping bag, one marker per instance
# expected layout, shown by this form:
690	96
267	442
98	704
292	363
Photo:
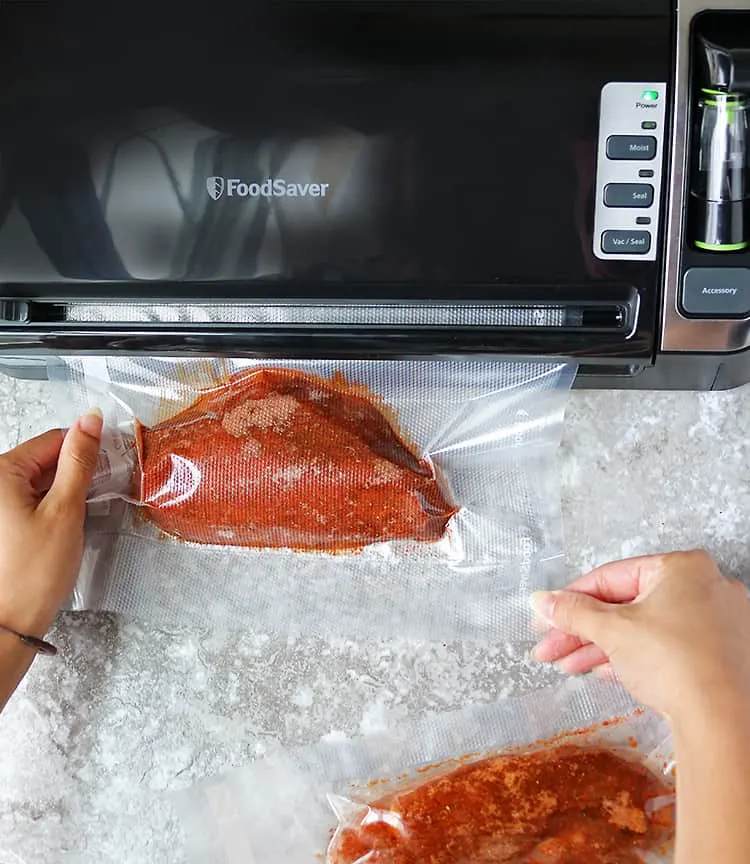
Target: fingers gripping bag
553	777
291	496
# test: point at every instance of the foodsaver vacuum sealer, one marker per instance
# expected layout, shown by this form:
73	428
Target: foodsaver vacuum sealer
321	178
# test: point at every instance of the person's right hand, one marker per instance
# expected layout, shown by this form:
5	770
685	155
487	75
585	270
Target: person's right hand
675	631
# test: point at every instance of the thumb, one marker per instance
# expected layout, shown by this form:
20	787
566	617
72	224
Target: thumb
78	458
578	614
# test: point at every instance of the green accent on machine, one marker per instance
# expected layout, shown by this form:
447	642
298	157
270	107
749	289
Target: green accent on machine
710	91
720	247
722	99
719	176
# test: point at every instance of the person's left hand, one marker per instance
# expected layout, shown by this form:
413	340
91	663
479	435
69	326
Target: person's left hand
43	488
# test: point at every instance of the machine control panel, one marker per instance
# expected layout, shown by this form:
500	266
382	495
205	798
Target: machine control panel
629	168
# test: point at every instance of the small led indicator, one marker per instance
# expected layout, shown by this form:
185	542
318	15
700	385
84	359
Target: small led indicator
649	95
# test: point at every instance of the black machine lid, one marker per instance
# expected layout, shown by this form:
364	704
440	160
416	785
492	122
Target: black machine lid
368	152
358	141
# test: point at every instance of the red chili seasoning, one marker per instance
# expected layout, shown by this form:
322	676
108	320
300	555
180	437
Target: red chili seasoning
280	458
566	805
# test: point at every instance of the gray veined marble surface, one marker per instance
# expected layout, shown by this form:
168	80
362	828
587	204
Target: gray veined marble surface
93	739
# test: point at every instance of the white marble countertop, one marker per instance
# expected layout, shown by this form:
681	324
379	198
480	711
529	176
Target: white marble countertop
93	739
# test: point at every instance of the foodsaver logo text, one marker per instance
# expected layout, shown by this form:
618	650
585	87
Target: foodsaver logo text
271	187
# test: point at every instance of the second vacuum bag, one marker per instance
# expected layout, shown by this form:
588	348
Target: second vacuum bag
345	498
569	774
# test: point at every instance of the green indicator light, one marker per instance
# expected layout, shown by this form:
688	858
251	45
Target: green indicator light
649	95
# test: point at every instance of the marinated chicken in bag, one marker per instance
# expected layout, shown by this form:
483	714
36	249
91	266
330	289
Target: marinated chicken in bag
280	458
564	805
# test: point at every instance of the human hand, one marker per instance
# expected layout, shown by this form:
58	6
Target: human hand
43	488
672	628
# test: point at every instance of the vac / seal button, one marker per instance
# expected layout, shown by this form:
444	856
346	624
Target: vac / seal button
631	147
626	242
716	292
628	194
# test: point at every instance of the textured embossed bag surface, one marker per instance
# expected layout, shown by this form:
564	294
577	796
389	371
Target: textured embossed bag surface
347	498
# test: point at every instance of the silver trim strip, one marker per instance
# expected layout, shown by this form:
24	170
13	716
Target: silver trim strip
680	333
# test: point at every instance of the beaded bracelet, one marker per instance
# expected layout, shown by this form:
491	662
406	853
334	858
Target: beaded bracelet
39	645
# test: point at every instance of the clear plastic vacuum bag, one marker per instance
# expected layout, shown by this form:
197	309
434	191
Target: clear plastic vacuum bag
505	782
347	498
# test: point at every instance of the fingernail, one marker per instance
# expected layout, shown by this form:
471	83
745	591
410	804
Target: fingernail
91	422
543	603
